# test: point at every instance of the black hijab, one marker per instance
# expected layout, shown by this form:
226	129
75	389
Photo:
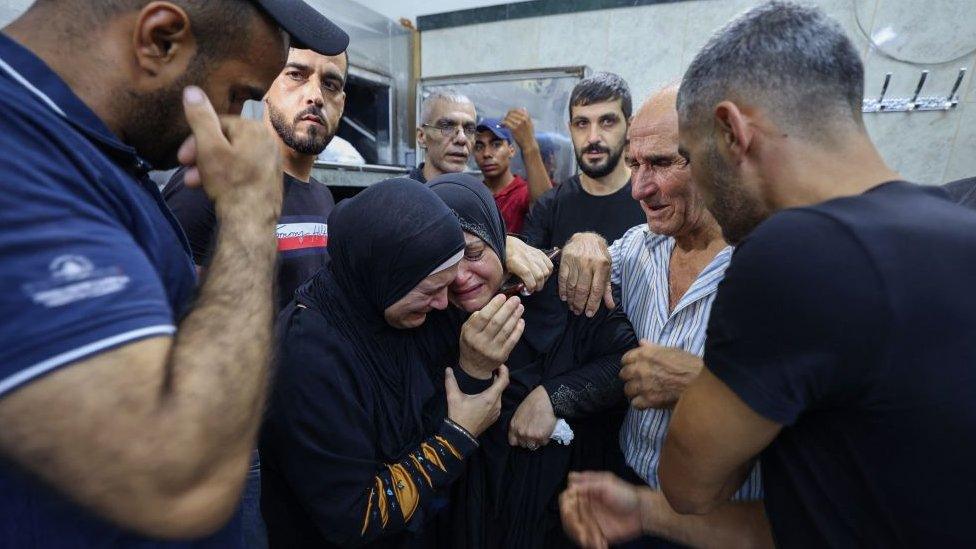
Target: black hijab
475	208
382	243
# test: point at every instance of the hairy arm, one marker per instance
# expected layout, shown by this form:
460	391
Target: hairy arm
519	121
712	441
156	435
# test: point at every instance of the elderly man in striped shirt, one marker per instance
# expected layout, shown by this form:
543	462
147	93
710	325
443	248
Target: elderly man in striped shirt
665	275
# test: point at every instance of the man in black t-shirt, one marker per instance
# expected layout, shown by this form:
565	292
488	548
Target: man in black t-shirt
303	108
841	344
599	199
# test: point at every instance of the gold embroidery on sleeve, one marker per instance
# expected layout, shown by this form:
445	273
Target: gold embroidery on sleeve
420	467
405	490
431	454
449	446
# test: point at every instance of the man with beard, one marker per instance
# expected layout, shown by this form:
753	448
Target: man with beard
128	415
840	346
303	109
598	200
446	134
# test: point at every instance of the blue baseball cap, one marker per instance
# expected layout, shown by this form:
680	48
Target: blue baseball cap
494	126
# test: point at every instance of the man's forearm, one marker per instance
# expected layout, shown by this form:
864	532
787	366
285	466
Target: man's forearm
535	171
734	524
222	347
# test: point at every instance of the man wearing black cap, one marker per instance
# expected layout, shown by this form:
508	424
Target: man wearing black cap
494	149
129	416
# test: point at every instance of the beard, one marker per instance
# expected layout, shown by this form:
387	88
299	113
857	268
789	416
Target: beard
735	209
159	129
603	168
315	139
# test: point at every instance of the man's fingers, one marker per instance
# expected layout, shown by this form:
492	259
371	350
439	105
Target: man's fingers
563	279
582	294
572	277
191	177
187	155
203	119
608	297
594	535
632	388
640	402
597	289
630	357
569	513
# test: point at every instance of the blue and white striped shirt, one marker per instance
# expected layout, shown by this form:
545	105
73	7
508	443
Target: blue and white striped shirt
640	273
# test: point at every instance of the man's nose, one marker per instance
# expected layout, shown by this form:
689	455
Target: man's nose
313	94
644	183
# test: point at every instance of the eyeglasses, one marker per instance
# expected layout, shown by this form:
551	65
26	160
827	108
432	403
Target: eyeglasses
450	129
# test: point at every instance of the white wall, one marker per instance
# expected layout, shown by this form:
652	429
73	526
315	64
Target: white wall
395	9
652	45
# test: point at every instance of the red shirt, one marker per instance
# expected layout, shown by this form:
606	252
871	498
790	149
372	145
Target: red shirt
513	202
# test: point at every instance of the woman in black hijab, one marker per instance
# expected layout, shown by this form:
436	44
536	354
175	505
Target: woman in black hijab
509	494
358	442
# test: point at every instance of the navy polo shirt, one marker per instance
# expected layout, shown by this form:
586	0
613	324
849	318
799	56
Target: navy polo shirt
92	260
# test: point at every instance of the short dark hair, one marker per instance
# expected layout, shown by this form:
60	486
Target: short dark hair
791	59
599	88
219	26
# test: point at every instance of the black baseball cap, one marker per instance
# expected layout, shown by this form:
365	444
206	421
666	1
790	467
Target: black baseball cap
308	29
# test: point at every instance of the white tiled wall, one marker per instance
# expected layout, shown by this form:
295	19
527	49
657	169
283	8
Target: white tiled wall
652	45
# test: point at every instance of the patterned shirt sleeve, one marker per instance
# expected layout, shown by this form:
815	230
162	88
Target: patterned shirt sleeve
398	490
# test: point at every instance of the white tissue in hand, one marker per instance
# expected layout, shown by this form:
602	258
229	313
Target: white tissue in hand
562	433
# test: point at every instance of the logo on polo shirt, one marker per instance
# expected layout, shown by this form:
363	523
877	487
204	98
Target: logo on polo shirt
74	278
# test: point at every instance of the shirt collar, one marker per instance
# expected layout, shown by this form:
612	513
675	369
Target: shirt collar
26	69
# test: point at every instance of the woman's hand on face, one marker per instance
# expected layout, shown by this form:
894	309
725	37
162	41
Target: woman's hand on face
533	422
532	266
475	413
489	335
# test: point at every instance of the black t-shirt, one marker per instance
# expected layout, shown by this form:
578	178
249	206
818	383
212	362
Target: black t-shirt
852	323
556	216
568	209
302	229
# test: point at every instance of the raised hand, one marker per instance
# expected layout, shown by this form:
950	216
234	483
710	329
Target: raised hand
489	335
235	160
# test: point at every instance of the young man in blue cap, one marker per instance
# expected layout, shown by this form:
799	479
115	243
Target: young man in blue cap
494	149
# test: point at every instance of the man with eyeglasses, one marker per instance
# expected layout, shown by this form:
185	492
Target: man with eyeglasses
446	133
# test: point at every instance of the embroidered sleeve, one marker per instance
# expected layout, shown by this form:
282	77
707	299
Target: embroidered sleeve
400	488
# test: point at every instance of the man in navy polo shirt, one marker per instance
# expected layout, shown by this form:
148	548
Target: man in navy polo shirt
126	414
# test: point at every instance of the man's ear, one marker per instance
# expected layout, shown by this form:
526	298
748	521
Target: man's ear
162	40
421	138
734	130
